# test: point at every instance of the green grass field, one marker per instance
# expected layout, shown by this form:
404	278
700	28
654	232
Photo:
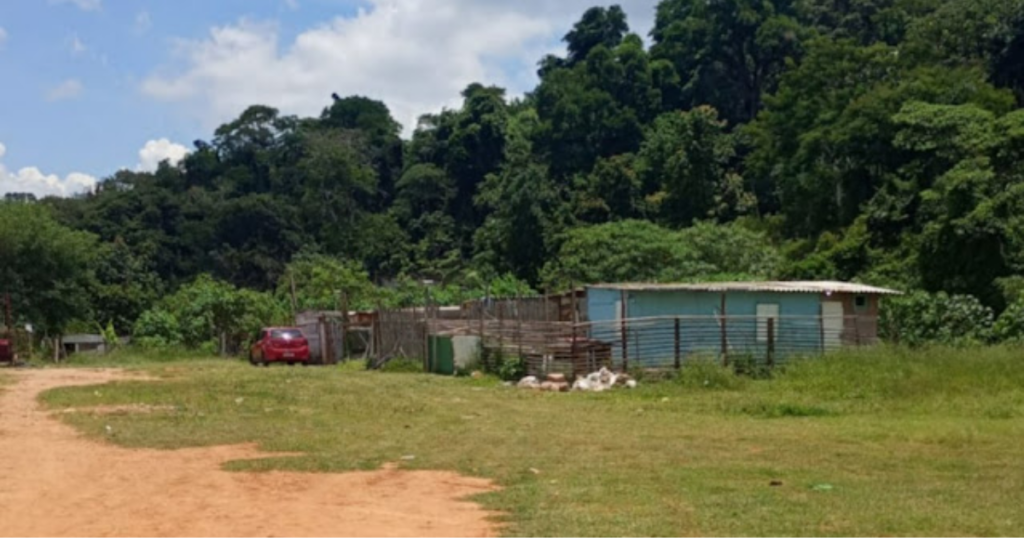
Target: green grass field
887	442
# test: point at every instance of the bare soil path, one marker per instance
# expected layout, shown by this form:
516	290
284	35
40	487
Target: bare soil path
54	482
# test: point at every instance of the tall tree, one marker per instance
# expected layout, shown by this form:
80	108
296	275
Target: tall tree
597	108
598	26
688	156
523	204
824	144
729	52
373	120
476	148
45	266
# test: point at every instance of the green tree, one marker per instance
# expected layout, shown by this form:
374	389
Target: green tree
597	107
339	183
124	286
523	205
598	26
209	313
727	53
380	132
255	235
321	283
639	251
688	156
46	267
969	212
865	21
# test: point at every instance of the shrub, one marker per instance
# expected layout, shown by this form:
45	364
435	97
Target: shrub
1010	325
921	318
157	329
510	368
403	365
199	312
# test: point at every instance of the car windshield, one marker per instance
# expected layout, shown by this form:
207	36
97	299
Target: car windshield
285	334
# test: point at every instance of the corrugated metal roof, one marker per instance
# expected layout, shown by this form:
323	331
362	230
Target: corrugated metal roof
774	287
82	339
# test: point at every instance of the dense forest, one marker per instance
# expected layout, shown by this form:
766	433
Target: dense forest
879	141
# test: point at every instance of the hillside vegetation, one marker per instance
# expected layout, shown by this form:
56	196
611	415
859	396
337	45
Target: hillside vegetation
878	140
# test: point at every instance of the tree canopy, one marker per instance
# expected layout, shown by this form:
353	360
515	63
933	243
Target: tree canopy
872	140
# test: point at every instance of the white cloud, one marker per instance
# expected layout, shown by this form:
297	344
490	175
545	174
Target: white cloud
156	151
77	47
143	23
84	5
30	179
69	89
292	4
3	37
415	56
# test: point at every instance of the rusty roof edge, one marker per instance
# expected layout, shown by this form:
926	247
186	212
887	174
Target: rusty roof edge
755	286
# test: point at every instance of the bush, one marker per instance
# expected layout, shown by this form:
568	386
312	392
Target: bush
199	312
511	368
920	318
403	365
157	329
1010	325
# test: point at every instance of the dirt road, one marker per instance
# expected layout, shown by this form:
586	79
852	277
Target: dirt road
53	482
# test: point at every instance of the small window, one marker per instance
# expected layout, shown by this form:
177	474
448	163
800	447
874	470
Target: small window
860	303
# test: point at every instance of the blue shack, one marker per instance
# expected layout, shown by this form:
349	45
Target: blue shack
656	325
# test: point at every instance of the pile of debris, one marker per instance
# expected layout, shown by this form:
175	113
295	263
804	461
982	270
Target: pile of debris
599	381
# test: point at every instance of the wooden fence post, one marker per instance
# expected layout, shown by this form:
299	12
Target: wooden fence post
426	328
519	326
501	329
821	326
325	339
677	361
725	339
344	327
623	311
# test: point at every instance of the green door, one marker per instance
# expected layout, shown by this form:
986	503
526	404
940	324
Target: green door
441	355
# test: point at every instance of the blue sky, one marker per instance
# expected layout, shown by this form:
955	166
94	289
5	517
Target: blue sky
91	82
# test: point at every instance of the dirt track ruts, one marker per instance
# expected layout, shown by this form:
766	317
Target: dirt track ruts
55	482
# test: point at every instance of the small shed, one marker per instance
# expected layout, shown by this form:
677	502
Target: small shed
799	316
80	343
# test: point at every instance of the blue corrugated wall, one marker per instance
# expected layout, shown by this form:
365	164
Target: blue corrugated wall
652	343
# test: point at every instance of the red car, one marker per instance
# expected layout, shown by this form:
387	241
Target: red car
280	344
6	351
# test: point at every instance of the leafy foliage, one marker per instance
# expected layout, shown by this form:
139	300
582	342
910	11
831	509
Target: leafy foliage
46	267
642	251
871	140
921	318
200	313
